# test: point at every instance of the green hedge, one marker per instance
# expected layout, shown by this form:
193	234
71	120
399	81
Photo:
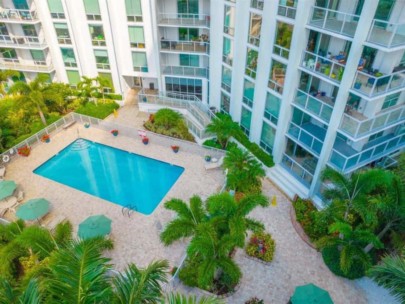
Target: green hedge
101	110
331	257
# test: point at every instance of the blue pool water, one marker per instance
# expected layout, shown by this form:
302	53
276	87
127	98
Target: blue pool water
115	175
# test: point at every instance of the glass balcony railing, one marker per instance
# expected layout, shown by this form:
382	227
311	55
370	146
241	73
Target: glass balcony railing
185	71
387	34
346	159
298	170
287	11
356	128
21	41
18	15
281	51
184	19
334	21
184	46
306	138
329	68
321	106
25	65
378	84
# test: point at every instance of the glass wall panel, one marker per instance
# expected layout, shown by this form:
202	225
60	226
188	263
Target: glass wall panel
136	36
229	20
255	25
69	58
139	62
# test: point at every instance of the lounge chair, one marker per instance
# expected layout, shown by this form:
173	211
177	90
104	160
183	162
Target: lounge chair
8	205
213	164
20	196
2	172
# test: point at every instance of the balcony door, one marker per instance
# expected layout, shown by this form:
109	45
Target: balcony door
187	8
384	10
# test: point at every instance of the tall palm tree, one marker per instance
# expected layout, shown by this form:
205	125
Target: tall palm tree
390	273
350	246
87	87
5	75
34	95
224	128
244	171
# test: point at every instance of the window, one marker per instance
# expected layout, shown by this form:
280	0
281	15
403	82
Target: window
134	10
245	121
9	54
229	20
139	62
97	35
283	39
188	34
56	9
375	136
225	103
267	137
62	32
21	4
187	8
227	51
136	37
38	56
109	79
102	60
277	75
391	100
92	9
69	58
272	108
184	86
248	92
3	29
226	79
255	25
287	8
189	60
251	62
73	77
257	4
29	30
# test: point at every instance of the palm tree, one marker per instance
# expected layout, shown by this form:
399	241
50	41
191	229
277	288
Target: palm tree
30	295
136	285
88	88
187	220
5	75
224	128
390	273
350	246
244	171
34	95
176	298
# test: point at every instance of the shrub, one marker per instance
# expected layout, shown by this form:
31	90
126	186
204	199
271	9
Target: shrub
261	246
167	118
189	273
331	257
101	110
254	300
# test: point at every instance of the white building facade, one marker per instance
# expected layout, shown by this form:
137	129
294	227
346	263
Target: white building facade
315	83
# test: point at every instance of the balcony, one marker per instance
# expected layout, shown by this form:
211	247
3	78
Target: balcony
387	34
187	20
299	169
185	71
355	127
22	42
18	16
25	65
334	21
184	46
287	11
345	159
308	135
321	106
372	85
331	69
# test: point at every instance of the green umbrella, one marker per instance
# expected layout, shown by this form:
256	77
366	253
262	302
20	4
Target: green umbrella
310	294
33	209
6	189
96	225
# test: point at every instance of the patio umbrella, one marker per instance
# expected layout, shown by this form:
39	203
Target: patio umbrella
33	209
96	225
310	294
6	189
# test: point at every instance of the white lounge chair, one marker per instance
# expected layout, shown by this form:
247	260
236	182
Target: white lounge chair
8	205
20	196
2	172
214	164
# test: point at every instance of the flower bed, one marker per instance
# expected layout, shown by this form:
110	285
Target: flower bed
261	246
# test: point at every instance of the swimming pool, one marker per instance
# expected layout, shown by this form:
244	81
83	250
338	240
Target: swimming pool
118	176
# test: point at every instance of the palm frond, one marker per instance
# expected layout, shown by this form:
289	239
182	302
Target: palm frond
31	294
177	298
254	225
177	229
63	233
180	207
250	202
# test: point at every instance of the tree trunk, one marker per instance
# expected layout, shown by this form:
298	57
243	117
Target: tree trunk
379	236
41	114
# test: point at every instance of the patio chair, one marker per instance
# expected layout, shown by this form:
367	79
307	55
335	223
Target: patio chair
9	204
20	196
214	165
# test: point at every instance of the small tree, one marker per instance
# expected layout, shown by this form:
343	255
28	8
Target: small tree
224	128
167	118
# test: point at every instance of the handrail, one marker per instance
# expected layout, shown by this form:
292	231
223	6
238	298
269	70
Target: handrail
287	11
29	41
325	110
294	163
14	63
184	19
18	14
281	51
329	68
185	70
184	46
302	132
391	29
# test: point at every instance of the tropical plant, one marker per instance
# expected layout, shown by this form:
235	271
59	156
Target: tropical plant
87	87
261	246
244	171
224	128
29	295
167	118
176	298
35	94
390	273
5	75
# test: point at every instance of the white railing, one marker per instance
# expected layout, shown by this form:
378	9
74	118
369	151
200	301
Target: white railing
64	40
143	69
28	41
184	19
386	33
314	105
95	17
185	71
254	40
356	128
230	30
281	51
185	46
287	11
226	86
103	66
16	64
297	169
58	15
350	163
257	4
328	68
305	138
98	42
370	85
17	15
227	59
334	21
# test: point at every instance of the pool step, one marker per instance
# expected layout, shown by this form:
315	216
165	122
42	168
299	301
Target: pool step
80	144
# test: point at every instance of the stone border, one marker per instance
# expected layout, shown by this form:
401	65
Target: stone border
298	228
257	259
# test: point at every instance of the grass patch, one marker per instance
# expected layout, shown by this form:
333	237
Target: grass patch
101	110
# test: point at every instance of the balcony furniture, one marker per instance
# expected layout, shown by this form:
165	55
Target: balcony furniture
362	63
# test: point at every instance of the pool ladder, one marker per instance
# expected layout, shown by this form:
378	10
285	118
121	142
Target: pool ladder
80	144
129	209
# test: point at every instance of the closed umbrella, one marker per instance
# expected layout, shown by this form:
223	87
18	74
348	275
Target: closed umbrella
96	225
7	188
310	294
33	209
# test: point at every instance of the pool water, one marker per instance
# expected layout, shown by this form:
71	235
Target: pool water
118	176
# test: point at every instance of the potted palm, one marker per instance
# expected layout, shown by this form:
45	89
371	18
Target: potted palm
24	151
175	148
46	138
145	140
114	132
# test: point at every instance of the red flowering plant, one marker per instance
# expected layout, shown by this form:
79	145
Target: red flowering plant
261	246
175	148
24	151
45	138
114	132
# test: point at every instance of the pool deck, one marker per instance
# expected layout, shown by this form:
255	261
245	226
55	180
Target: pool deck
136	239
